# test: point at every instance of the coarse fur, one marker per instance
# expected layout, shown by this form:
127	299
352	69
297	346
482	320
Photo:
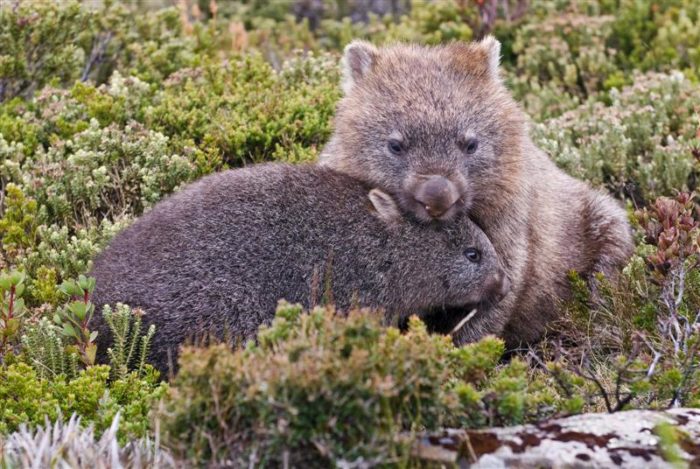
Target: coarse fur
216	257
417	113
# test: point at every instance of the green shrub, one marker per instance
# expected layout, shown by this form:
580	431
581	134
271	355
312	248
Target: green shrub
565	51
319	389
638	145
61	255
61	42
19	224
54	347
41	42
12	308
243	111
45	350
658	35
54	373
29	399
427	22
107	171
130	344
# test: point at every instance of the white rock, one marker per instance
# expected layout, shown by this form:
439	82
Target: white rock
623	439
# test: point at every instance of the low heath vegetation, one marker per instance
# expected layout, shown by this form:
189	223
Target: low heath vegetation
106	108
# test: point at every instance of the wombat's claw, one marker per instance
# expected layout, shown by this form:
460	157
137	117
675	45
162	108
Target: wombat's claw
463	321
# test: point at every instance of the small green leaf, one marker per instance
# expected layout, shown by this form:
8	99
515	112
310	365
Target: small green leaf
12	327
19	306
5	282
70	288
17	277
69	331
90	353
79	310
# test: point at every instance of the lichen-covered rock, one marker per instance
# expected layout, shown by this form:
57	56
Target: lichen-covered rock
628	439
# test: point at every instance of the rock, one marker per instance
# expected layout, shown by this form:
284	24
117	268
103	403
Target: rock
623	439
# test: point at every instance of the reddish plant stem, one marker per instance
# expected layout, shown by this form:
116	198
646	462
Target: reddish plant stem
10	312
11	304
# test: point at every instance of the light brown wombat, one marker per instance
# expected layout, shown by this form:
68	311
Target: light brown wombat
436	128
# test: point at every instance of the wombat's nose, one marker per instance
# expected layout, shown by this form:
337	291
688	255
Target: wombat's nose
497	287
437	194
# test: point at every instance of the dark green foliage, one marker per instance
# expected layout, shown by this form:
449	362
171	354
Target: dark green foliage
249	112
61	42
325	388
130	343
40	43
55	373
12	308
74	318
30	399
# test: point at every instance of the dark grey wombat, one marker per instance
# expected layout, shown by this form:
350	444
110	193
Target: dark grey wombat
217	256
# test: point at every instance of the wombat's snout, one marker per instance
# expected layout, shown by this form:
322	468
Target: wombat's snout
437	195
496	287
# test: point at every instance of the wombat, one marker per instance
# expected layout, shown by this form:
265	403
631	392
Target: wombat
217	256
436	128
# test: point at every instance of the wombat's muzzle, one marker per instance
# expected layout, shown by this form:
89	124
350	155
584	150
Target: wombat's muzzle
437	195
496	287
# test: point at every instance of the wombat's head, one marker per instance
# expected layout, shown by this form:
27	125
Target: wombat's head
433	125
445	270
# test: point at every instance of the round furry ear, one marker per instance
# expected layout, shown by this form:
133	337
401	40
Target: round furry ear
358	58
493	54
386	207
479	59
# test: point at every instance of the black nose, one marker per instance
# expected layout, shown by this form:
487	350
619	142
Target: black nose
497	287
437	195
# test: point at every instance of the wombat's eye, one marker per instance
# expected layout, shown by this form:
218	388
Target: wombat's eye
470	145
472	254
395	146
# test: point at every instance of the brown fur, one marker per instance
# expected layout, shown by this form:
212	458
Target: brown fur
542	222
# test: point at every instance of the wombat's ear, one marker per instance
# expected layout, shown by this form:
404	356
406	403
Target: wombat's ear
477	58
386	207
358	59
493	54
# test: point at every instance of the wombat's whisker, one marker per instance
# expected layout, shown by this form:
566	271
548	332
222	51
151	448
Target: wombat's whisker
464	320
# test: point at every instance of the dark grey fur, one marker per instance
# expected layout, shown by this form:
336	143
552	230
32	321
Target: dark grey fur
218	255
